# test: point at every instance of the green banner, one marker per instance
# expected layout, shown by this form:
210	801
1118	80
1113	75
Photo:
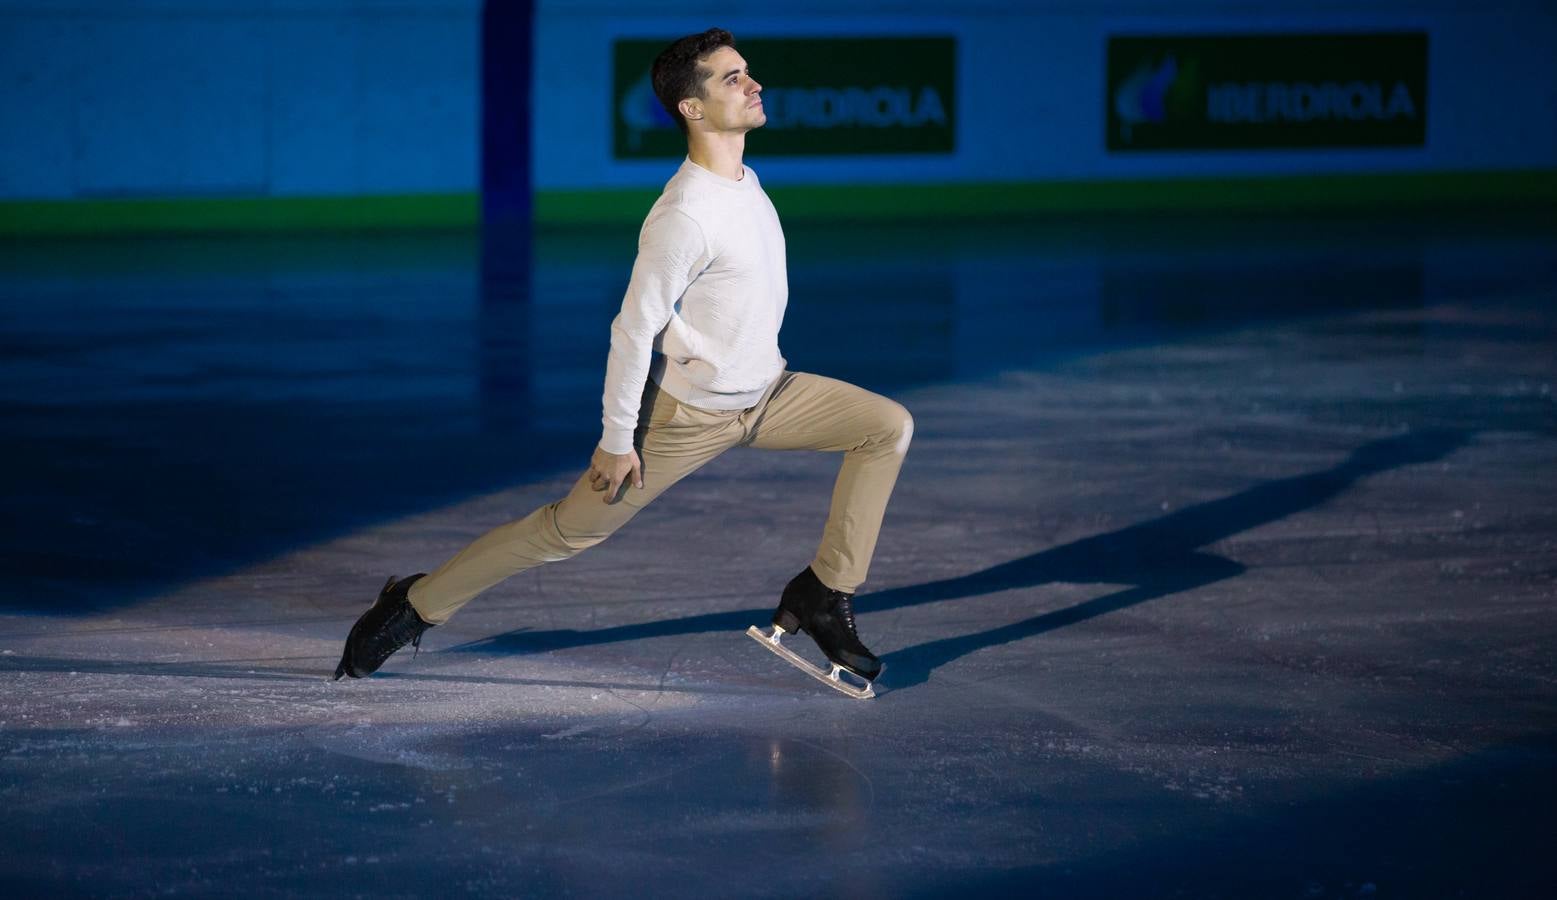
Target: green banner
1237	92
833	96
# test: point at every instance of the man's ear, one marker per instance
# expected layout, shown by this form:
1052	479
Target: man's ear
691	109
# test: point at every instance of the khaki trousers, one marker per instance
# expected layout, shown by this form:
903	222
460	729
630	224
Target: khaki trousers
798	412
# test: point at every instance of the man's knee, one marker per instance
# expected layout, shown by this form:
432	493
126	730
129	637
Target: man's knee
583	519
574	544
567	537
894	426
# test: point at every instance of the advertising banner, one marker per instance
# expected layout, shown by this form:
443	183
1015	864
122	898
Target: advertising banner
833	96
1241	92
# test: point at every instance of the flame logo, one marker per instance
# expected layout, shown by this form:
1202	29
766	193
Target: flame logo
641	111
1143	96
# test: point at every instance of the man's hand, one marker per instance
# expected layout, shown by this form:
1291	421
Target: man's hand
609	471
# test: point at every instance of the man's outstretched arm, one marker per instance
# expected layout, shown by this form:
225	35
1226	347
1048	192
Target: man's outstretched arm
671	253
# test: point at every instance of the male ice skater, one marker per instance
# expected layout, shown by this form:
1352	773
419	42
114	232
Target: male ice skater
693	370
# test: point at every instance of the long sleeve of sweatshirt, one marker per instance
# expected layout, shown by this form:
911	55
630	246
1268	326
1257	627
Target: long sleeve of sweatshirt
672	250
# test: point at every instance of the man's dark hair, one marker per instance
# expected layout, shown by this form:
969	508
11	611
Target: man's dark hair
679	72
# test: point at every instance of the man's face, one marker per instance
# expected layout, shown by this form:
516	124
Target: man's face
732	99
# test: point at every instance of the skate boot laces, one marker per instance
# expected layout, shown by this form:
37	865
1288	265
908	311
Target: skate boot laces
844	606
406	626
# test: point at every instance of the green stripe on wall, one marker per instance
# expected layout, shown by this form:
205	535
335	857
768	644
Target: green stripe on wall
1270	194
386	213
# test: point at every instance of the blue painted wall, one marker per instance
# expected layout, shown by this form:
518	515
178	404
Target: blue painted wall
237	97
170	98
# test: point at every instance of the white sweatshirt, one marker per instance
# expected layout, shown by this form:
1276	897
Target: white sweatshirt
705	302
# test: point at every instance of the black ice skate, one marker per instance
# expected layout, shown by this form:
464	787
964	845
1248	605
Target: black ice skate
828	617
389	624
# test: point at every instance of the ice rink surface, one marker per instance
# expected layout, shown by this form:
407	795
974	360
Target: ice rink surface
1223	564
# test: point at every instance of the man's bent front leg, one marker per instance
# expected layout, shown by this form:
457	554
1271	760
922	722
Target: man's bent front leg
860	495
812	412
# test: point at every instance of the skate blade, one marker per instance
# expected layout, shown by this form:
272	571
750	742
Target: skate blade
832	680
